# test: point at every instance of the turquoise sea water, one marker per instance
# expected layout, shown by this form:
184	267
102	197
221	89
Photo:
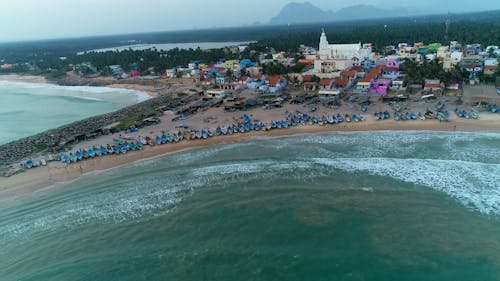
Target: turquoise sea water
27	109
351	206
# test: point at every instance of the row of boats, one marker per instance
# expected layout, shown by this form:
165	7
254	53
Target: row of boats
121	146
474	114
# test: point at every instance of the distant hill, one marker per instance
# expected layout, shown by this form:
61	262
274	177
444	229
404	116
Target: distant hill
306	12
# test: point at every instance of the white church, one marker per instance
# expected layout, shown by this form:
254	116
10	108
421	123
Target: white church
338	57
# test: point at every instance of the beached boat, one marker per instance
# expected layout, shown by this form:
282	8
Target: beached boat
474	114
348	118
64	158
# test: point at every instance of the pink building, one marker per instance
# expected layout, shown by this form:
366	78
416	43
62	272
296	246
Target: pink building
381	86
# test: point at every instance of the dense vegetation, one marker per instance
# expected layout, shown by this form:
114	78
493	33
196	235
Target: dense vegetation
44	56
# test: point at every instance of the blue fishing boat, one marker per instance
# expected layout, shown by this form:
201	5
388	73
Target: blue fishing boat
204	134
79	155
356	118
376	115
474	114
28	164
91	153
494	108
364	108
224	130
387	115
210	133
64	158
246	119
218	131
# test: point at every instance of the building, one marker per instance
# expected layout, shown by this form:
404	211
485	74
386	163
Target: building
215	94
342	51
338	57
490	66
432	85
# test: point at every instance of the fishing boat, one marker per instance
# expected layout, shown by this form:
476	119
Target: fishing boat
28	164
73	158
387	115
376	115
364	108
356	118
348	118
91	153
64	158
474	114
79	155
210	133
269	126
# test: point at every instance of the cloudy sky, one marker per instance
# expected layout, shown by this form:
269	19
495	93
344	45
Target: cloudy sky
41	19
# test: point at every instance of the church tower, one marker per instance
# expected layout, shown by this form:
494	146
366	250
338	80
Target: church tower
323	41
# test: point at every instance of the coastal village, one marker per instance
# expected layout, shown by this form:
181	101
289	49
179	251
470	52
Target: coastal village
338	83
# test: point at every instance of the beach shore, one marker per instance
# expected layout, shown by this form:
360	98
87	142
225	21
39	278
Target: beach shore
24	78
150	90
56	173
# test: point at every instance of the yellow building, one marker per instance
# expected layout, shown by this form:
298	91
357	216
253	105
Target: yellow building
230	64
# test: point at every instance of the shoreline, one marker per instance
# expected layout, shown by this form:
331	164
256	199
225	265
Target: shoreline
33	79
56	174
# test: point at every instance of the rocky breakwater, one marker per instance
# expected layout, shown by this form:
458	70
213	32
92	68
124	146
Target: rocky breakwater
50	142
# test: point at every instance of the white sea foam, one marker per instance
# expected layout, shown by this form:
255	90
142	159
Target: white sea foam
473	184
77	91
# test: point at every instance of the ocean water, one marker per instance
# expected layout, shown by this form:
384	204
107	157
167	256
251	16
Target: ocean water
27	108
349	206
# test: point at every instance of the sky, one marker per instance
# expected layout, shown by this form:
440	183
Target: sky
45	19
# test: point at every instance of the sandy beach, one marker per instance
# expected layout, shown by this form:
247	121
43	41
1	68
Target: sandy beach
23	78
56	173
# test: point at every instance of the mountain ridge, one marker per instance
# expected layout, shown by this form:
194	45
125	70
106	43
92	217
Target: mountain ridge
306	12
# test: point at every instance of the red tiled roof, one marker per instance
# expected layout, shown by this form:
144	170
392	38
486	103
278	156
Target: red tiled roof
349	73
273	80
307	78
357	69
341	82
366	79
432	86
325	82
